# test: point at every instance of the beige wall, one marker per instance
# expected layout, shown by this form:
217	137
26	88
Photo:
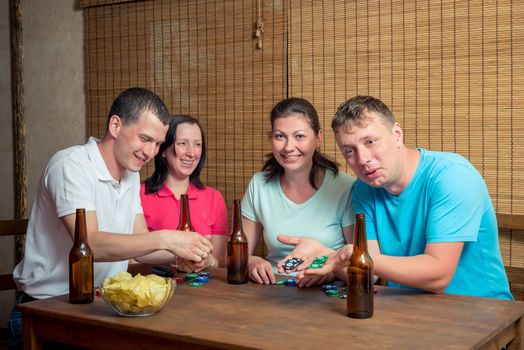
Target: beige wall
55	108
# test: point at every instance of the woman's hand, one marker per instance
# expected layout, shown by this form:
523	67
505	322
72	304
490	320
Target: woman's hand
306	249
260	270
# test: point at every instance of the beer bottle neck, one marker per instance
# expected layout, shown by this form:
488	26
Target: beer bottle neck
185	217
80	227
360	242
237	217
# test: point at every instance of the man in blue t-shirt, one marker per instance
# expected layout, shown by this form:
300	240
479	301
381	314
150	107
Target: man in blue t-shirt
429	217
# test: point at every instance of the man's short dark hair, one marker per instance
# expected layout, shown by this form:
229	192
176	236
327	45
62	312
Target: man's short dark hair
354	110
131	103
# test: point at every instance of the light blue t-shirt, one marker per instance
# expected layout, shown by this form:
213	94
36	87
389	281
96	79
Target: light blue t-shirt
321	217
446	201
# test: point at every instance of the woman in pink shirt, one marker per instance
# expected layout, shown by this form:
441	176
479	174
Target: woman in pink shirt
178	165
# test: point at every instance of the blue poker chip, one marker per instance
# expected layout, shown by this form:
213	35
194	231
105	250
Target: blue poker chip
290	282
329	286
205	274
201	279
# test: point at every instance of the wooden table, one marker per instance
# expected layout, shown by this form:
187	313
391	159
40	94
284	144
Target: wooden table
250	316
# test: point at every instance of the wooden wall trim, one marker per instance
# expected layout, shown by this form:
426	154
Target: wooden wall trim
509	221
19	130
92	3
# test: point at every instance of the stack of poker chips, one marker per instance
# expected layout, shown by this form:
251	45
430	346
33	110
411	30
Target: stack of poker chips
331	290
197	279
292	263
318	262
287	282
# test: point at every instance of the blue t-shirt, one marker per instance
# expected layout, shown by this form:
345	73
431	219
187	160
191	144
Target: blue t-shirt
446	201
321	217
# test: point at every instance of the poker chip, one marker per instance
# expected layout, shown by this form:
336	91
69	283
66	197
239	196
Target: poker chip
290	282
279	283
201	279
191	276
315	266
321	259
332	292
317	263
205	274
343	296
195	284
179	280
329	286
292	263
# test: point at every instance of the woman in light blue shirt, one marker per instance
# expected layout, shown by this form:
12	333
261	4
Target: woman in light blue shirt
299	192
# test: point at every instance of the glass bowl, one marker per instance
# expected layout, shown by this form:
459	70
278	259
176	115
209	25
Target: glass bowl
138	301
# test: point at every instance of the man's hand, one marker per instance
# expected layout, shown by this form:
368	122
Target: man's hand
306	249
312	281
187	245
190	266
336	260
260	270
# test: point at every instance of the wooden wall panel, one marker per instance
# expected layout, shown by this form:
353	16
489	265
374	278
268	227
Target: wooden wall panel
200	57
448	69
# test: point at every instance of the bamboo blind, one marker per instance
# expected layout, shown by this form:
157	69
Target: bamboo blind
200	57
449	70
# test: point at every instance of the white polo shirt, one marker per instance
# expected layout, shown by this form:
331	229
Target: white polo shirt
76	177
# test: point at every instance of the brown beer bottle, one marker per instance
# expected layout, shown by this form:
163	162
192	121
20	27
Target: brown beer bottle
360	274
237	272
81	289
184	223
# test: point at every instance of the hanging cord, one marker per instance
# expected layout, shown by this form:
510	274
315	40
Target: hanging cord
259	29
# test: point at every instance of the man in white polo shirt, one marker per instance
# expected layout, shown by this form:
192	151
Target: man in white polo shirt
102	177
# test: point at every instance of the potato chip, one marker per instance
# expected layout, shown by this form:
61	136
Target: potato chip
136	294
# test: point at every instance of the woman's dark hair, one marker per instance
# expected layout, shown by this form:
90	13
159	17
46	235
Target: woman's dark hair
154	182
283	109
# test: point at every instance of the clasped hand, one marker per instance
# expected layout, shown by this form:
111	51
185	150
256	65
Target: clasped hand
190	246
191	266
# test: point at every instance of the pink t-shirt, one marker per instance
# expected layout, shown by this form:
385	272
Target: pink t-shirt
206	206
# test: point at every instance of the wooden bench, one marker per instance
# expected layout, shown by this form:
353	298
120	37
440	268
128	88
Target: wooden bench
11	228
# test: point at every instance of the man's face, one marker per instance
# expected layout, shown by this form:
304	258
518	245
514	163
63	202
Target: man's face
138	143
372	150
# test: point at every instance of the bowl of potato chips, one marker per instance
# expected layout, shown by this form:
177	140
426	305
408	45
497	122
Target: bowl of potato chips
137	296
